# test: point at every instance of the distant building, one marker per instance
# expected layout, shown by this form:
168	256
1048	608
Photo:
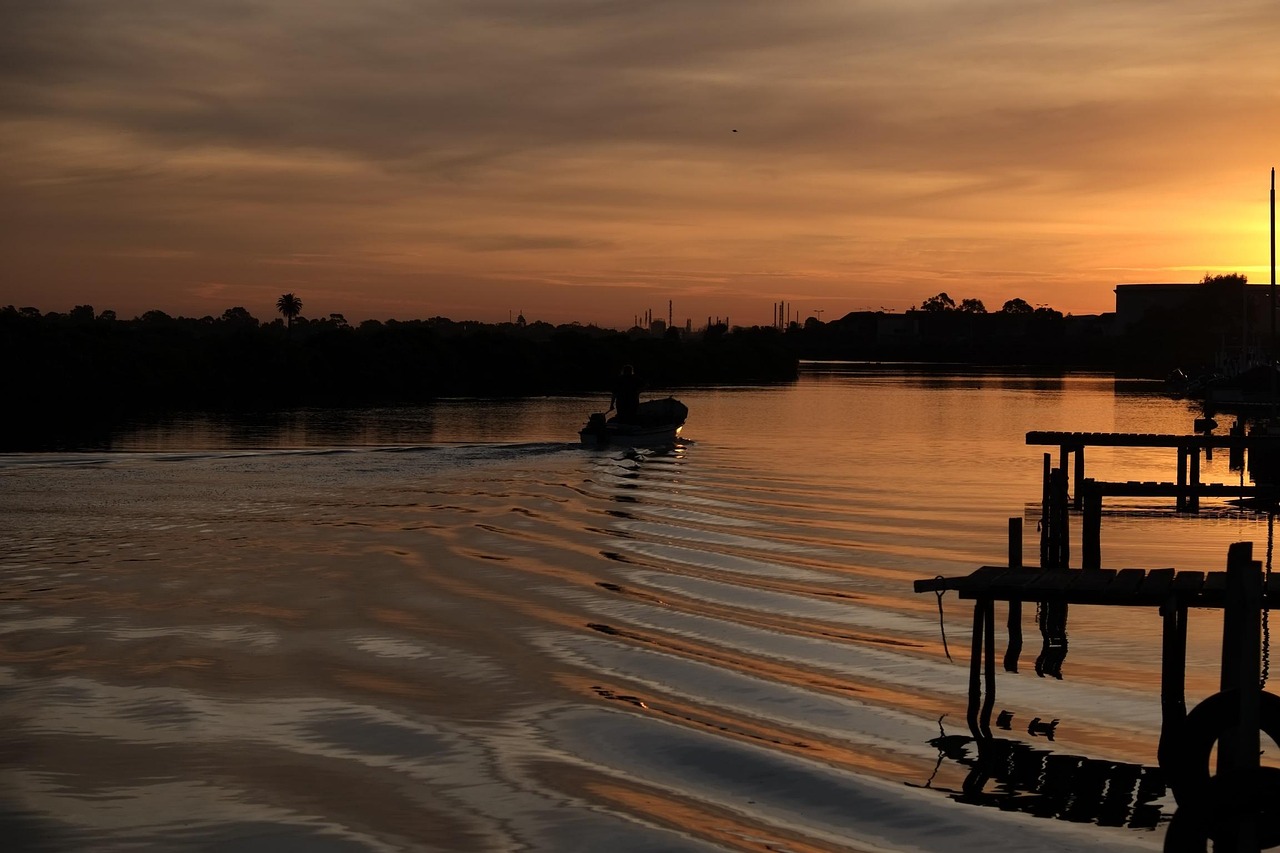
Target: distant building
1135	301
894	329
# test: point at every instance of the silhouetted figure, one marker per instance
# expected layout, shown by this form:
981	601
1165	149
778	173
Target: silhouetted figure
626	395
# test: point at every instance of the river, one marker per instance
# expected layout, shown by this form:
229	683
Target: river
452	629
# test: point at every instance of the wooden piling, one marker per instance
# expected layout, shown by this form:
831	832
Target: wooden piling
1064	453
1091	526
1044	513
1173	679
1241	660
1014	650
1193	497
989	697
1241	666
1079	476
1062	539
1181	501
975	667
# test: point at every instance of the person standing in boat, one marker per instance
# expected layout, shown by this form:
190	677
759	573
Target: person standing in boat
626	395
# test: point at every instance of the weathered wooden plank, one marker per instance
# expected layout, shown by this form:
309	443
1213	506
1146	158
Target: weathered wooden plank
983	577
977	579
1157	586
1093	585
1054	582
1215	581
1012	581
1187	585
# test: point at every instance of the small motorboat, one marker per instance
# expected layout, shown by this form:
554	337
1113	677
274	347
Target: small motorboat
657	424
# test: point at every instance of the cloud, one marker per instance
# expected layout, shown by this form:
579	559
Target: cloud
443	136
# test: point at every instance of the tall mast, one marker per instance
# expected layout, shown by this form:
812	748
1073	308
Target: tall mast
1271	365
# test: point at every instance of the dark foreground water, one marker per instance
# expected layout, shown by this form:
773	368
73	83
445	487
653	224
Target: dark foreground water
454	630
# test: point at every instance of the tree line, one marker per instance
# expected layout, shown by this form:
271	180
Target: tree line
95	369
1017	306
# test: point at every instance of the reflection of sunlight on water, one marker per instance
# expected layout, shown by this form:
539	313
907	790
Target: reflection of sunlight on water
522	643
217	634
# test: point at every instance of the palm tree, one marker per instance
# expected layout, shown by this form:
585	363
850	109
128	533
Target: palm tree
290	306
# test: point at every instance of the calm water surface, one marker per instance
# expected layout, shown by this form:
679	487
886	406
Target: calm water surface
452	629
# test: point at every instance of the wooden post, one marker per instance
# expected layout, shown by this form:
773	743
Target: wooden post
989	701
975	669
1180	502
1079	476
1014	651
1015	542
1173	680
1241	632
1193	499
1045	520
1241	666
1064	453
1235	457
1091	525
1061	536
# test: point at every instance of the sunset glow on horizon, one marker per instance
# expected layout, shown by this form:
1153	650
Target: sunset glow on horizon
588	160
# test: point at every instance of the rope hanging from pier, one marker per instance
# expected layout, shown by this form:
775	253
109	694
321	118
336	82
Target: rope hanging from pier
1266	611
942	625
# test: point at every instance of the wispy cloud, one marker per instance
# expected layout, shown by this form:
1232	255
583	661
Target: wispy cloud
837	145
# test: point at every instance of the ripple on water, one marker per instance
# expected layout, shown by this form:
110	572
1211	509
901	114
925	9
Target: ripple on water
695	558
808	798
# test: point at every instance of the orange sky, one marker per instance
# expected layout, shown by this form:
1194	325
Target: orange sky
578	160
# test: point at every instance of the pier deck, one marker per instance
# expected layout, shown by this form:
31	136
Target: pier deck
1123	587
1201	441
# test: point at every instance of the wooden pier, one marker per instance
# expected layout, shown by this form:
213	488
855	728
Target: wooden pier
1233	806
1232	718
1188	488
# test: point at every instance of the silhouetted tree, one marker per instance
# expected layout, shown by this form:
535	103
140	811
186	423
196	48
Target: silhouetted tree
972	306
1017	306
290	306
239	316
941	302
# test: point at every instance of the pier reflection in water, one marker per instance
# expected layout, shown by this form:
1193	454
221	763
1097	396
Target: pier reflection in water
1012	775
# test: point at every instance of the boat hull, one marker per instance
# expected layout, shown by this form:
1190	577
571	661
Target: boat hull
625	435
656	423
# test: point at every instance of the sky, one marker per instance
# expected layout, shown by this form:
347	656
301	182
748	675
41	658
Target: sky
589	160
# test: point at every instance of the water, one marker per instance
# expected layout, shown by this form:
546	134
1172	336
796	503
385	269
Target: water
454	630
